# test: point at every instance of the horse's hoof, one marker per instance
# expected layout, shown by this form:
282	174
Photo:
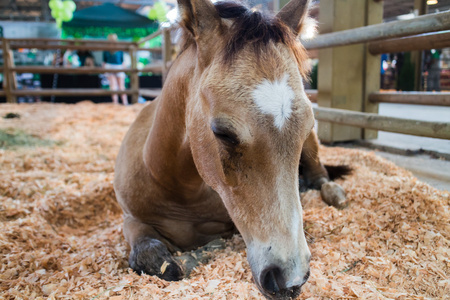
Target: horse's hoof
202	255
151	256
333	194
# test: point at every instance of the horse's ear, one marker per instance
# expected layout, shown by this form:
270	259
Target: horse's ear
202	20
295	15
198	16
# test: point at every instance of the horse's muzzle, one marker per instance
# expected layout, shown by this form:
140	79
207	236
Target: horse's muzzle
273	284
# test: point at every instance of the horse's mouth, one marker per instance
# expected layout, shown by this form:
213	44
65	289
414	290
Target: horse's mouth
285	294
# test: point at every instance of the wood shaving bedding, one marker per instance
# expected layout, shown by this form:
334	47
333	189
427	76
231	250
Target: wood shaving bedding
61	228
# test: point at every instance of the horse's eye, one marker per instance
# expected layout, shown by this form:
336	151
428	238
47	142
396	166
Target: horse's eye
226	138
225	135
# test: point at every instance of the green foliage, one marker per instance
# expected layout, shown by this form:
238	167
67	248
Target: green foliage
13	138
156	42
62	11
69	5
11	115
158	12
102	32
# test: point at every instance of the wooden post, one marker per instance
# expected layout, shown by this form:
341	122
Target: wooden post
347	74
8	76
372	68
167	52
12	73
134	75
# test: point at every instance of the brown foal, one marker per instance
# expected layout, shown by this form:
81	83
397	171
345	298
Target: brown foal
219	149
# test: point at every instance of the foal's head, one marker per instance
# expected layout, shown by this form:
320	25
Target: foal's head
247	119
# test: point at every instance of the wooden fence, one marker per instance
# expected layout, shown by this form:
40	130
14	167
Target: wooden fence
424	32
9	69
421	33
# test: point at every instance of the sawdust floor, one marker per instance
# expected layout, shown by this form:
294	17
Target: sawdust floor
61	236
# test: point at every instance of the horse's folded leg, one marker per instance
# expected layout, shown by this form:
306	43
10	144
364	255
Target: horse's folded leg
317	176
152	257
190	260
333	194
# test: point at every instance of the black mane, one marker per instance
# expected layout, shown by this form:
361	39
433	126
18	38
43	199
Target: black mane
250	27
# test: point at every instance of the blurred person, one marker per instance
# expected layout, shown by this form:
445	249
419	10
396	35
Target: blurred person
57	59
70	59
114	60
433	65
89	62
84	55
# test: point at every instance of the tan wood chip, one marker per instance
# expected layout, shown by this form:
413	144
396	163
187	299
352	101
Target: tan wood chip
61	228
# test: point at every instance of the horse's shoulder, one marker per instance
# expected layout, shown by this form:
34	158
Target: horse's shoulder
134	140
147	112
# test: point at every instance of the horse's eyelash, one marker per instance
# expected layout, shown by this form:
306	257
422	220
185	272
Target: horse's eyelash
227	138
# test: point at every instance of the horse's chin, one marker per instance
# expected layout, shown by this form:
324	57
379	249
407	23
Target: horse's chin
291	293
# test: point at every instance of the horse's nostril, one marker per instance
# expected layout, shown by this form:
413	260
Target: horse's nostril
272	280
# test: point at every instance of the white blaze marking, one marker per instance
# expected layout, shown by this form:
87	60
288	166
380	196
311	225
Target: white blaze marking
275	98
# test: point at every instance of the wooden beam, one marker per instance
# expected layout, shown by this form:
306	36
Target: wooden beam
63	70
150	92
312	95
313	53
92	47
152	68
150	37
70	92
419	98
428	23
440	130
415	98
105	47
154	50
428	41
69	41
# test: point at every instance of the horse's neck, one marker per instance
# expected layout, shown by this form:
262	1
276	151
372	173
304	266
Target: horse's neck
167	151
